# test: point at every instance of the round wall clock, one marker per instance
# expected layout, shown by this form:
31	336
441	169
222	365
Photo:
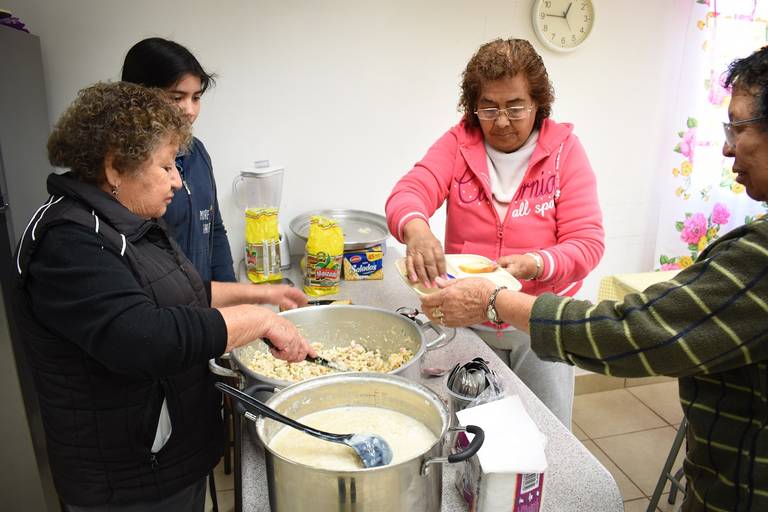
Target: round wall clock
563	25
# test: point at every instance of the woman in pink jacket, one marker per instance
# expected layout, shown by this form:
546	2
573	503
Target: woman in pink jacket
520	190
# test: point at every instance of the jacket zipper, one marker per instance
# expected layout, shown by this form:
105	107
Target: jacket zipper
190	230
500	237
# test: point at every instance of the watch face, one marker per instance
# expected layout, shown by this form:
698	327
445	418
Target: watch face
563	24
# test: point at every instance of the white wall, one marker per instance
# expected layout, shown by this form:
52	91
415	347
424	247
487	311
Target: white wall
347	95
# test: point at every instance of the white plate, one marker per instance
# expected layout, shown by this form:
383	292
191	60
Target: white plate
499	277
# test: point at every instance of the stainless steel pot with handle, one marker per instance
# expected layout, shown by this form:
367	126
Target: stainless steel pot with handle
414	485
337	326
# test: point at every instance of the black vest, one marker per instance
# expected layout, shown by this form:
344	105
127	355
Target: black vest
100	425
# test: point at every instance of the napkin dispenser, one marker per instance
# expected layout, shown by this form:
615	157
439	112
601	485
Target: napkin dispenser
508	472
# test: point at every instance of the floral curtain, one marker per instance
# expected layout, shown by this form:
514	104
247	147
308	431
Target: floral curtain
701	200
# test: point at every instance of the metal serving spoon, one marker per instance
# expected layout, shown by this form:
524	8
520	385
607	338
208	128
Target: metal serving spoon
373	450
334	365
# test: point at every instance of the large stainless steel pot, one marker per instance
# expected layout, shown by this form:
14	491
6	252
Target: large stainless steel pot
335	326
414	485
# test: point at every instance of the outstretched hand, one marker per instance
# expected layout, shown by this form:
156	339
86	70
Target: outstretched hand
424	257
284	296
521	266
460	302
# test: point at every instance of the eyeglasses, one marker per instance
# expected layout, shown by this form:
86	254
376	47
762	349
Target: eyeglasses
512	113
730	136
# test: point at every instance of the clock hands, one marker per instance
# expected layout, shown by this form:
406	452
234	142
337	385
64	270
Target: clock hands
565	15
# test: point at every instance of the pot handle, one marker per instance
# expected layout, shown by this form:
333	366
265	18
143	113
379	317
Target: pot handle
250	390
219	370
463	455
442	337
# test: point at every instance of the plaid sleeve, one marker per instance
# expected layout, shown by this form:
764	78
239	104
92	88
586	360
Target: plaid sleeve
710	318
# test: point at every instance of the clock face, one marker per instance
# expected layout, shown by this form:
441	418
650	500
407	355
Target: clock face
563	24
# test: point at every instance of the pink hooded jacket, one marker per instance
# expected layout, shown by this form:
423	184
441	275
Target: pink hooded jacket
554	212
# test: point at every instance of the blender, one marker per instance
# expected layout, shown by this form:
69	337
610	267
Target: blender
258	191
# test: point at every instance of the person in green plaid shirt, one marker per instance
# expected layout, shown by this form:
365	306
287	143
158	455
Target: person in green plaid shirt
708	326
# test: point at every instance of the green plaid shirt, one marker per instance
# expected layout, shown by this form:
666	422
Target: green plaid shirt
708	327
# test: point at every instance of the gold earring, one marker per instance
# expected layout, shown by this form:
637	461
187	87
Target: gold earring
114	191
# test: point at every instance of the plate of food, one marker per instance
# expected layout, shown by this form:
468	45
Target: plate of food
459	266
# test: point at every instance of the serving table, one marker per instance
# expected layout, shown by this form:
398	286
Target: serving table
575	480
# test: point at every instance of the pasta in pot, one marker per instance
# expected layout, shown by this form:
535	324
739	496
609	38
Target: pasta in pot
354	356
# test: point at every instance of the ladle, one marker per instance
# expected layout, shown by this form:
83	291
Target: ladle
373	450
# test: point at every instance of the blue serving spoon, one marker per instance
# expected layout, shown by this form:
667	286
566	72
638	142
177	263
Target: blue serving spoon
372	450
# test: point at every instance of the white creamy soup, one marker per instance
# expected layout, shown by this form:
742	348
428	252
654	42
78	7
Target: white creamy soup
406	437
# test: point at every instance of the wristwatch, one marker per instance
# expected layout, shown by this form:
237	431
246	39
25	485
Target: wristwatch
490	310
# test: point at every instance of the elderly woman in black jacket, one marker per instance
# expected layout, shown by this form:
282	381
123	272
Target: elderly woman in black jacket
118	324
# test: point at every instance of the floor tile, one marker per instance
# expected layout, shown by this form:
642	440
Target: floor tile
641	455
640	505
226	500
662	398
580	434
610	413
666	507
644	381
594	382
223	481
628	490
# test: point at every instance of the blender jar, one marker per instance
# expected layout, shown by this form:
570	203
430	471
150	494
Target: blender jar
258	192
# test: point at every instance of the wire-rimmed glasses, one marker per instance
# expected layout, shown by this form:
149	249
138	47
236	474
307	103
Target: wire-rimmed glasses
513	113
730	136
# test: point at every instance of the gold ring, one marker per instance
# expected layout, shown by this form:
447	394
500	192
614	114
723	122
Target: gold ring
437	313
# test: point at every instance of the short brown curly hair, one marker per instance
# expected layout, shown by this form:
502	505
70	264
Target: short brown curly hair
126	120
506	58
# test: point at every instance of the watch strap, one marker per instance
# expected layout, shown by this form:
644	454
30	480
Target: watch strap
491	312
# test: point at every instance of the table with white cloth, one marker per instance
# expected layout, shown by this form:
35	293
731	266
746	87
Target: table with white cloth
575	480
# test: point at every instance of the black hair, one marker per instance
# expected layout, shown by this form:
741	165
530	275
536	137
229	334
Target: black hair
751	74
158	62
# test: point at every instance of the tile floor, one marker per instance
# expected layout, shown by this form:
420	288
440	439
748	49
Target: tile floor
629	430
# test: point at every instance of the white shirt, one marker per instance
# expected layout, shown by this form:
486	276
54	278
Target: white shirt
506	171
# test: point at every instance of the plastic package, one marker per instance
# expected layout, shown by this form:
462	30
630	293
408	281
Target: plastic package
324	254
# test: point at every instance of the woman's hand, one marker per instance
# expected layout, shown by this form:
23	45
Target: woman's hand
284	296
424	257
460	303
288	343
247	323
231	294
521	266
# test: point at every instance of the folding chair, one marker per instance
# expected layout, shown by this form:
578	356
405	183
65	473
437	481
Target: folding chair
666	472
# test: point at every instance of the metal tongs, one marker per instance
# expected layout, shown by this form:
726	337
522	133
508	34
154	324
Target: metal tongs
335	365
